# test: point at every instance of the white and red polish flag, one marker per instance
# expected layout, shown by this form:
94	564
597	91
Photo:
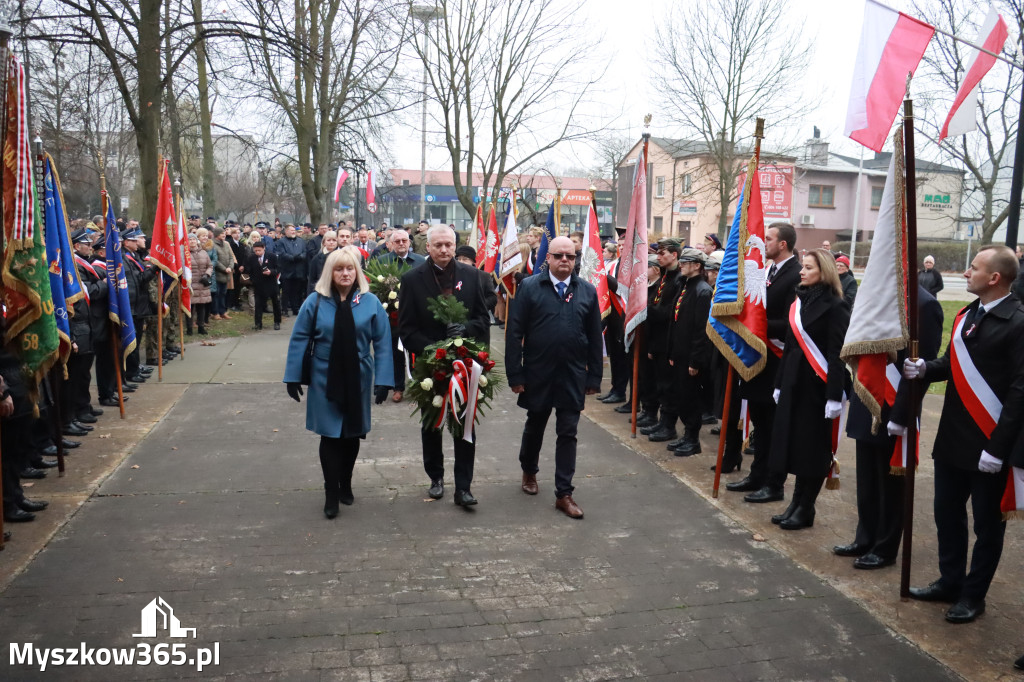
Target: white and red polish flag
891	46
371	191
633	259
962	116
342	177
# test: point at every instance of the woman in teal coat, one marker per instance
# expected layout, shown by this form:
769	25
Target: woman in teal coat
344	319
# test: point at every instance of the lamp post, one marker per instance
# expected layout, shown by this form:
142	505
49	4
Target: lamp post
426	14
360	167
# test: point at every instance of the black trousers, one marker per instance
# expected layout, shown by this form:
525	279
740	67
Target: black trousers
953	487
762	416
685	400
294	290
337	459
733	427
261	305
398	360
132	363
433	458
617	362
647	386
14	439
75	396
566	423
106	379
879	500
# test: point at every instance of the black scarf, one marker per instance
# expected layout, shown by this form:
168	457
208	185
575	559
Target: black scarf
344	383
445	277
812	293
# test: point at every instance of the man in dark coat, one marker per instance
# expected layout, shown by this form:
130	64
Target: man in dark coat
659	328
90	330
401	251
783	279
553	358
689	352
879	492
291	258
138	274
262	270
441	274
976	440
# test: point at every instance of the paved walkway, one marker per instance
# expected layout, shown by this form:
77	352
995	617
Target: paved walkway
217	510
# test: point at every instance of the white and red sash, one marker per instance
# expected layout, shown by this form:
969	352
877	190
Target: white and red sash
1012	504
89	268
980	400
814	356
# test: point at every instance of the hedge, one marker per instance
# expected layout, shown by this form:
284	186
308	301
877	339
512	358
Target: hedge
950	256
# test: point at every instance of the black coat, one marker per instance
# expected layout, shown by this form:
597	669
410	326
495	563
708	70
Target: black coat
779	297
802	437
418	328
138	276
997	348
849	284
313	247
931	280
264	285
90	325
689	345
291	257
858	418
553	347
659	310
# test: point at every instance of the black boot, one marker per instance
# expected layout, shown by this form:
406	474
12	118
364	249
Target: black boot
348	463
331	500
330	462
803	515
793	504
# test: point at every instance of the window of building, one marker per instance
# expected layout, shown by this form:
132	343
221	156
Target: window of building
405	183
659	186
687	183
658	222
822	196
876	197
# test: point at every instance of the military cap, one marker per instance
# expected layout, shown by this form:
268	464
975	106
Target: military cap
133	233
714	262
689	255
82	236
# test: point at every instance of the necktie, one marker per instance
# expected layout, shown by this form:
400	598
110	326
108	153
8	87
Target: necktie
561	290
771	273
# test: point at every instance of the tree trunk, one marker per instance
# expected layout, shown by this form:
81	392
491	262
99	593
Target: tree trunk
205	121
147	133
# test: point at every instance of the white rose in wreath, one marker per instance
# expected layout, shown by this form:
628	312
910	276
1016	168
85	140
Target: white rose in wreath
458	342
438	401
396	305
380	278
483	381
392	296
427	384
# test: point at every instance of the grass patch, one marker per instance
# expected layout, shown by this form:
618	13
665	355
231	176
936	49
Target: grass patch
240	324
949	311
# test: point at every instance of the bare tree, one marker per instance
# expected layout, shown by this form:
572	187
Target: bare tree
507	87
986	154
723	64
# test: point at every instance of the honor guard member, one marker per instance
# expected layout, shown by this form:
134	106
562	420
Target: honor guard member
979	434
90	331
138	273
442	275
689	352
659	327
106	377
783	279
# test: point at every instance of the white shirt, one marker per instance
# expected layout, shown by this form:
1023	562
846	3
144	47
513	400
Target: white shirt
555	281
988	307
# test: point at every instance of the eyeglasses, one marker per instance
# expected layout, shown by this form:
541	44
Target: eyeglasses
563	256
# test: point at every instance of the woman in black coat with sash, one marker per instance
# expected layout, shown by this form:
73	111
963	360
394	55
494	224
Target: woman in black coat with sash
807	402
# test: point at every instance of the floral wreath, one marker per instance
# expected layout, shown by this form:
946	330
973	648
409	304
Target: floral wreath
385	280
454	380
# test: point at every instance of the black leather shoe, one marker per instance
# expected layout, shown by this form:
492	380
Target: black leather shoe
744	485
72	430
708	419
613	398
935	592
331	503
603	396
852	549
464	498
802	517
84	427
32	472
689	446
50	451
662	435
108	402
96	411
43	463
86	418
129	388
277	327
872	561
648	429
645	419
779	518
716	430
68	445
16	515
137	379
749	450
765	494
728	468
624	408
672	444
33	505
1019	663
965	610
436	489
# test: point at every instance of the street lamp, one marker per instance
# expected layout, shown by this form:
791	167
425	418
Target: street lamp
426	14
360	167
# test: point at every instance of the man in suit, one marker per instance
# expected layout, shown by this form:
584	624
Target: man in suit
553	358
442	275
879	492
976	441
401	250
783	279
262	270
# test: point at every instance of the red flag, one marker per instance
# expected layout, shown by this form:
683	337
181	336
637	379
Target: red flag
490	244
371	191
186	265
163	252
593	268
633	261
962	116
479	237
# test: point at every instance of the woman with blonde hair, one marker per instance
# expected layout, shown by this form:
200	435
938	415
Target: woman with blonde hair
343	320
809	386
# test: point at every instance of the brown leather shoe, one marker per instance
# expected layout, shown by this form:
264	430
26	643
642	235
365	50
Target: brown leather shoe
567	506
530	484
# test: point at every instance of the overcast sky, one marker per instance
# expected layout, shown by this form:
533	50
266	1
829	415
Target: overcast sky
832	27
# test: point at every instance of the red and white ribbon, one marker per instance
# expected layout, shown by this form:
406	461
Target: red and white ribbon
473	391
980	400
900	454
1012	504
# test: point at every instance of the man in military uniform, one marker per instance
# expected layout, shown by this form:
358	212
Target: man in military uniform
659	327
138	274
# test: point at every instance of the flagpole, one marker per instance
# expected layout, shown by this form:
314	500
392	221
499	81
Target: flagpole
115	338
558	207
181	294
638	342
160	327
5	36
912	328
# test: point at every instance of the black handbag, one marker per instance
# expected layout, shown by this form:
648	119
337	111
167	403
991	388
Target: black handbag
307	358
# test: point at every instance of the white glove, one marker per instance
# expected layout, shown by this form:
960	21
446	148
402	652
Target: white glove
989	464
913	369
833	409
895	429
775	395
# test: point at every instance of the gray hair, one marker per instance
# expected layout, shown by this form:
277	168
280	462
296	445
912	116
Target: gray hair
399	233
436	229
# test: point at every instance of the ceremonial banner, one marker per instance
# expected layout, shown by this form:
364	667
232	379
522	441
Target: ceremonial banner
163	251
30	330
476	235
738	325
117	286
342	176
511	256
891	46
1012	504
371	191
878	323
65	286
633	260
592	268
186	264
963	115
545	239
490	245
